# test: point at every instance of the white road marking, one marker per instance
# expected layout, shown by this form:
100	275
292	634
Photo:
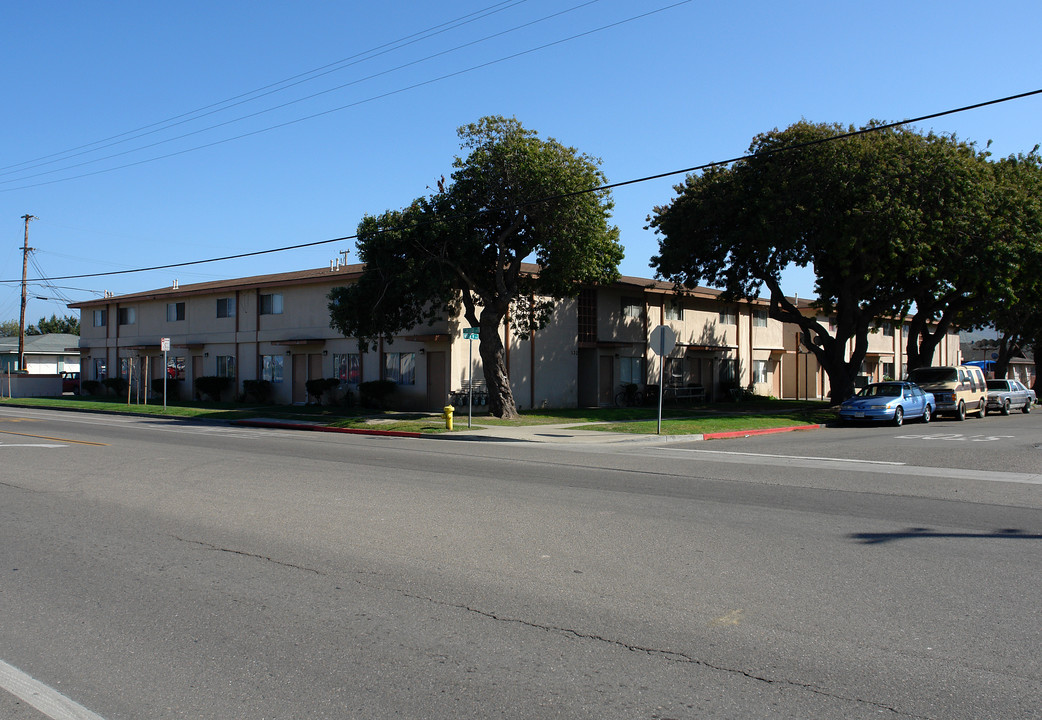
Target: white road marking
789	457
45	699
44	445
851	465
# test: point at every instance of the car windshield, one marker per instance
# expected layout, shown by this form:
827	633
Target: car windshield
882	390
997	385
933	374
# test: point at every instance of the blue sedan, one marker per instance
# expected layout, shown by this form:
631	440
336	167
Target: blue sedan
891	402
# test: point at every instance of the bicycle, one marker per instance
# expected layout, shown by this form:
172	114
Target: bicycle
629	396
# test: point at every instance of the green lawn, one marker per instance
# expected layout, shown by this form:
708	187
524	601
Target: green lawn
713	417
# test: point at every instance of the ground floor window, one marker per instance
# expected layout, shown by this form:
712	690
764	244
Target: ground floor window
728	371
888	371
175	368
347	367
226	366
760	371
271	368
400	368
631	370
100	369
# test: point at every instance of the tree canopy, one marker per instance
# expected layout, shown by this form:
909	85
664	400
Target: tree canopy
512	197
884	217
69	324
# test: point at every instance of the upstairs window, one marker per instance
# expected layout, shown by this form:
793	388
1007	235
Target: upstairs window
673	310
632	308
175	312
727	316
271	304
101	317
127	316
760	317
226	307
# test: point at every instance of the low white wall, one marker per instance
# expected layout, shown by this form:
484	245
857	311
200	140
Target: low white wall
30	386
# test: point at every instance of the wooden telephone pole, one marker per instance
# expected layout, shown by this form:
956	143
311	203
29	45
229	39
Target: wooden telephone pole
21	318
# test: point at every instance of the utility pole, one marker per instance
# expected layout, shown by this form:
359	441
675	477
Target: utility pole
21	318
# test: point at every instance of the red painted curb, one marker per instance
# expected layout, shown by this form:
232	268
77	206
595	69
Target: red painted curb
325	428
748	433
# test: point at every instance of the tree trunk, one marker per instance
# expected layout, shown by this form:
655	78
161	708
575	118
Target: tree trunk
493	365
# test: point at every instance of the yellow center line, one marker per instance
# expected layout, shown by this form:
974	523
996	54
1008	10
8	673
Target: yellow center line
48	437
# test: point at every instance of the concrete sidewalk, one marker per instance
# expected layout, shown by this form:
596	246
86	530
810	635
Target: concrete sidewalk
560	433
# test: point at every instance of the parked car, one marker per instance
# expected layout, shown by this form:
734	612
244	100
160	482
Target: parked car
1005	395
71	382
891	402
958	389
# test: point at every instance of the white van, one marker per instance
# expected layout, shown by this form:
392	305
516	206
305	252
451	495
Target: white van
956	389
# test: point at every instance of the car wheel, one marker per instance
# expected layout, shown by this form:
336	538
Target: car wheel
1027	407
899	417
982	408
960	412
1005	407
926	414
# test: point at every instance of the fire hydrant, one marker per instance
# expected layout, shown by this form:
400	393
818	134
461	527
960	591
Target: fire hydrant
447	414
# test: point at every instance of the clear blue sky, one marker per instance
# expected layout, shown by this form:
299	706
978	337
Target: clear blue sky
688	85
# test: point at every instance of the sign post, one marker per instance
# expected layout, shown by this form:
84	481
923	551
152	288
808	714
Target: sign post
164	345
663	340
471	334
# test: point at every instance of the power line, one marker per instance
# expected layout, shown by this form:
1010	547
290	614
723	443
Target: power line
265	90
330	111
601	188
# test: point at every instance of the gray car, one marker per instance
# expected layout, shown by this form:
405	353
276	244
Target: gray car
1005	395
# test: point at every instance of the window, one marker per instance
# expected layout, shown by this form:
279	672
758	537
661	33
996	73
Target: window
100	368
101	317
632	308
588	315
888	329
760	317
728	371
226	307
674	311
727	316
888	371
226	366
175	368
175	312
631	370
348	368
127	316
400	368
760	371
271	368
271	304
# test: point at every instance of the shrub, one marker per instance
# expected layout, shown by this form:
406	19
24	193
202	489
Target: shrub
320	386
212	386
374	393
116	384
256	390
91	387
172	387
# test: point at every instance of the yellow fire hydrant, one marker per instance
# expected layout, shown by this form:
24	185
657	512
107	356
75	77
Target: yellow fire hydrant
447	414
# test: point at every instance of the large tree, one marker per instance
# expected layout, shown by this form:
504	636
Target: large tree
68	324
865	212
1014	305
512	197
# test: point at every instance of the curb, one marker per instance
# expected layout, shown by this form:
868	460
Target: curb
749	433
324	428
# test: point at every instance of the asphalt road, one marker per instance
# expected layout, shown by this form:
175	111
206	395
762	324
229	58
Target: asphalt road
164	569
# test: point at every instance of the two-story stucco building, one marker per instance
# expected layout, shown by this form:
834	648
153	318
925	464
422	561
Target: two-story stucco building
276	328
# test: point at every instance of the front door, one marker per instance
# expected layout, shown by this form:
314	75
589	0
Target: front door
606	380
437	392
300	378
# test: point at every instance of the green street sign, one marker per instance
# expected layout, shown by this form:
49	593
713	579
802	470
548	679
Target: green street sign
470	333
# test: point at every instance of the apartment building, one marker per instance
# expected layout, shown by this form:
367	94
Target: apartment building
276	328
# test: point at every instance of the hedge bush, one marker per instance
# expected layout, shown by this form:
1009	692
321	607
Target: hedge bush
212	386
374	393
257	390
320	386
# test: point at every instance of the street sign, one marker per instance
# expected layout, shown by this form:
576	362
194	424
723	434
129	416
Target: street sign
164	344
471	333
663	340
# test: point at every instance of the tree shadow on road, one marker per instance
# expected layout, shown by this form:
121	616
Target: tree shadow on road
918	533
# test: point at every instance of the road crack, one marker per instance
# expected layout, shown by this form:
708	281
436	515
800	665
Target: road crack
243	553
